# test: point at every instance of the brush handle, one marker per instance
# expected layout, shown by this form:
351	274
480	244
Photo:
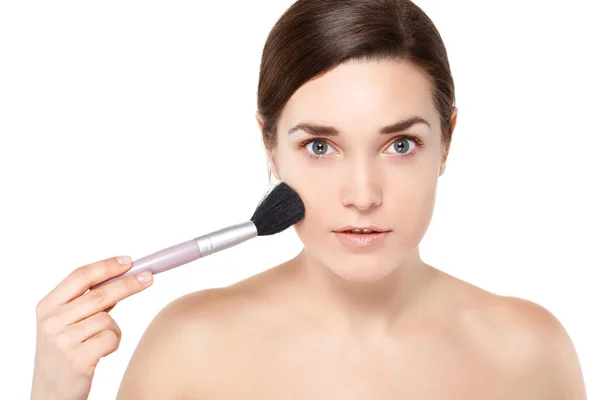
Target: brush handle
162	260
190	250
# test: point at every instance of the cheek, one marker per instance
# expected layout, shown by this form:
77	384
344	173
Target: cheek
407	209
319	210
320	215
306	176
412	209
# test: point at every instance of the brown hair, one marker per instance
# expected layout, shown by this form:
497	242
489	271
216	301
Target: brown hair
314	36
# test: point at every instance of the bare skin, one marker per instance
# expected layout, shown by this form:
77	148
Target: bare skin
265	338
338	322
75	330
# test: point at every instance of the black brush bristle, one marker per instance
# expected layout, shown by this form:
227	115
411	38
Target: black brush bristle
278	210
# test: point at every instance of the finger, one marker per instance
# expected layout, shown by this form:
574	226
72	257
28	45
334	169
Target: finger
85	329
99	345
100	299
82	278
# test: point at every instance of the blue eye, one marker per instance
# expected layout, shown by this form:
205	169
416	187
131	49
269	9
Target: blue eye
401	146
319	146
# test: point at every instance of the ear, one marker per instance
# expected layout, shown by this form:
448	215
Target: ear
453	118
444	158
260	121
273	164
270	153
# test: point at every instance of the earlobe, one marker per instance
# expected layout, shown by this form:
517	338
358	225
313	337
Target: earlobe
270	158
444	159
259	121
443	166
453	117
270	153
273	165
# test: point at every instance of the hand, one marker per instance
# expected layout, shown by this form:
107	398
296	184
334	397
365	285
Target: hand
74	329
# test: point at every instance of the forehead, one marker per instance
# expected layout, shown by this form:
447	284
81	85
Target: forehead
362	95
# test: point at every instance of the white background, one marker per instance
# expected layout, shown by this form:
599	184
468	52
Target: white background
129	126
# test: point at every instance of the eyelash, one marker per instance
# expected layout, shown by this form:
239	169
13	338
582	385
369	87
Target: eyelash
415	139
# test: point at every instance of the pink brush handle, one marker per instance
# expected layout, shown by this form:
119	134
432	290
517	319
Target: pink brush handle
162	260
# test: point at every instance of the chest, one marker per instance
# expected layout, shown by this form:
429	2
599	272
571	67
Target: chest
379	371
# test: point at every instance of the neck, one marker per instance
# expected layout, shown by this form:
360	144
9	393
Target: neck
363	306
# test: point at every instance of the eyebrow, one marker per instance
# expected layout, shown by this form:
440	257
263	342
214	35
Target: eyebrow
323	130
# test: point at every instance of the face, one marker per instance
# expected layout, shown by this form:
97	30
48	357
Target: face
358	175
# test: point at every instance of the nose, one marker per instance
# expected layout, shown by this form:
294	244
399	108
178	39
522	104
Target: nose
362	190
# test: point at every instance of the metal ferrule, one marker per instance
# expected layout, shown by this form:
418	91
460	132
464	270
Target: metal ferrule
226	237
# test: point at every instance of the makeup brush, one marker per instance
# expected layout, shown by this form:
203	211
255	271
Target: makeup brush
279	209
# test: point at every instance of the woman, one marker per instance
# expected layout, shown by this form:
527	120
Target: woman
356	109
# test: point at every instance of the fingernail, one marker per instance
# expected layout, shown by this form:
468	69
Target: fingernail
145	277
123	260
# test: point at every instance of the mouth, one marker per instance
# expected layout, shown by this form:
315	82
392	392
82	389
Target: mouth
361	239
362	236
361	230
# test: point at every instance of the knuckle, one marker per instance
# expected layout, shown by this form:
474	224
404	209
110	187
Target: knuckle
107	266
49	326
97	296
112	340
40	307
79	273
90	272
131	283
117	329
103	268
105	319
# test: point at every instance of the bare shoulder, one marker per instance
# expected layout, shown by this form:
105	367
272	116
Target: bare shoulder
190	341
165	359
549	361
524	339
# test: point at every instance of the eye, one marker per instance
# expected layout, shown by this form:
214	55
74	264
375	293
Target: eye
402	146
319	147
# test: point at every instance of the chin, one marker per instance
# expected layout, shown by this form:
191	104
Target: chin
361	274
359	268
360	265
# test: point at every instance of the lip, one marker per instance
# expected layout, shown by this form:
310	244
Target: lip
361	239
350	227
